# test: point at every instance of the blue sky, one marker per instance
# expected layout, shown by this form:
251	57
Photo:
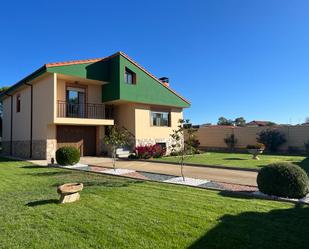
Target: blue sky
229	57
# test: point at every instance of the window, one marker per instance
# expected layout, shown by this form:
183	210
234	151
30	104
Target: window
75	102
18	103
160	118
129	76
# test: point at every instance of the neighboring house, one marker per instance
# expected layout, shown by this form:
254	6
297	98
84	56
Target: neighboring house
71	103
258	123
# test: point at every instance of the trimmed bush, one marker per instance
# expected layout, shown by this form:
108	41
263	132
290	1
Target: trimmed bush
67	155
284	180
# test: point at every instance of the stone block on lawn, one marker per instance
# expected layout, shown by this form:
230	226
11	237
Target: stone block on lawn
69	192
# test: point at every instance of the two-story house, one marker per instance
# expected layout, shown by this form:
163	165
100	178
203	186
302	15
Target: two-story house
70	103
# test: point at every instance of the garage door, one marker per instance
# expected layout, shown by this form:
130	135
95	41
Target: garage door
81	137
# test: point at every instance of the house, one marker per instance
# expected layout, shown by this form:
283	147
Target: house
258	123
71	103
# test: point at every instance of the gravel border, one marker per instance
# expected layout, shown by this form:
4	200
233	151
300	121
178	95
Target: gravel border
232	189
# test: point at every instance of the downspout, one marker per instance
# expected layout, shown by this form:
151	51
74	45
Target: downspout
11	128
31	117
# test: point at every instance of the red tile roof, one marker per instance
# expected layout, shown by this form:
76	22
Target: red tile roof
259	123
73	62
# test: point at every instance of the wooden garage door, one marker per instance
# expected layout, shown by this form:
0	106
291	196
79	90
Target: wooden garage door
81	137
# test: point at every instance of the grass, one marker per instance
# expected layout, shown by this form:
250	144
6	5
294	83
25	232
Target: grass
239	160
122	213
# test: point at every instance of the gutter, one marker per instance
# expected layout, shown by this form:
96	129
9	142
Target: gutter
31	117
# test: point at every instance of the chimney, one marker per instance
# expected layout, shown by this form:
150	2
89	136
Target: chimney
165	81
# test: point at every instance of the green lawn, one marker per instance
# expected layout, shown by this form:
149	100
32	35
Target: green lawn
121	213
239	160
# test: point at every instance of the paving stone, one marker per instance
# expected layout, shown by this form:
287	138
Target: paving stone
188	181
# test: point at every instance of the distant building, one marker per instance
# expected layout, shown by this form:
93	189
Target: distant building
260	123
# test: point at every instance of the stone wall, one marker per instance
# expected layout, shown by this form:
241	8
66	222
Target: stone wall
51	147
22	149
148	141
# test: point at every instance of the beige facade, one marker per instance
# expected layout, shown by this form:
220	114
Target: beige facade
213	136
48	92
136	118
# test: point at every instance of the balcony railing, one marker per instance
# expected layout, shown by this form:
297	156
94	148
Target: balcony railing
87	110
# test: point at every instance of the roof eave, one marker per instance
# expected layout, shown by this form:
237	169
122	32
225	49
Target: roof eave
28	78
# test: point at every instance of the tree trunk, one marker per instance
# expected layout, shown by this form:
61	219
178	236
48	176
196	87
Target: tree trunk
181	167
114	158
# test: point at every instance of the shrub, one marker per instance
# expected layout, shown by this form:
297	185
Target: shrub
67	155
257	146
195	143
132	156
148	151
306	144
230	141
157	151
284	180
272	139
294	150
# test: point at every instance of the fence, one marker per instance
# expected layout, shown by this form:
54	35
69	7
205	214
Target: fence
212	137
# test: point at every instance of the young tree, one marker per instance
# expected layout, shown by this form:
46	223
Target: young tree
184	142
2	89
230	141
116	138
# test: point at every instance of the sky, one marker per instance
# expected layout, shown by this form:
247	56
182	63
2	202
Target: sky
228	57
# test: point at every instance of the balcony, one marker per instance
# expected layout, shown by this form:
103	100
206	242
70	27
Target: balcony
83	114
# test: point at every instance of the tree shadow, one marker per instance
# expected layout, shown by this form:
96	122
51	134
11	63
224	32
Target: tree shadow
108	184
234	159
42	202
5	159
32	167
281	228
50	173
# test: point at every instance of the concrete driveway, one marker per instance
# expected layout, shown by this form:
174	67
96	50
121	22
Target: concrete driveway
220	175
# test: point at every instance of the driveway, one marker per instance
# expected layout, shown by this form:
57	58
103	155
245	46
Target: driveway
214	174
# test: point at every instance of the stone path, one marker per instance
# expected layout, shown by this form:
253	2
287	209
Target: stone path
239	177
203	183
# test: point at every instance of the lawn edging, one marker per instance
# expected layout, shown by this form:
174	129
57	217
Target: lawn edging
197	165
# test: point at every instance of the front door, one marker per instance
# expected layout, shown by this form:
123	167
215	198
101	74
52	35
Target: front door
81	137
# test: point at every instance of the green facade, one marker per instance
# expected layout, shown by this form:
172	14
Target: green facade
146	90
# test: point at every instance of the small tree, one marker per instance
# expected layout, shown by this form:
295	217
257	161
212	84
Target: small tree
182	146
272	139
230	141
116	138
